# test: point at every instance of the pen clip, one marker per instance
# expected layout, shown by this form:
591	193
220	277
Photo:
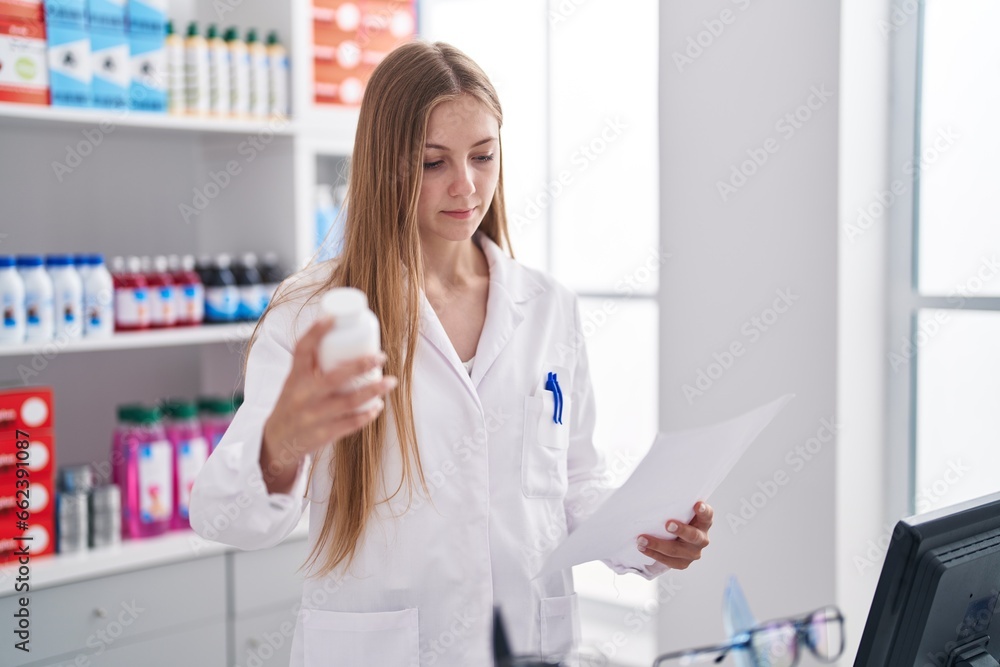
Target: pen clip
552	384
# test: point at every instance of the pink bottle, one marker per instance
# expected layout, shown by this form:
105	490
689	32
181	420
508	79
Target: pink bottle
131	295
190	293
143	470
190	451
162	302
216	413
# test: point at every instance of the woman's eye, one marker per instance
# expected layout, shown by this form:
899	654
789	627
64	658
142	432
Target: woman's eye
484	158
433	165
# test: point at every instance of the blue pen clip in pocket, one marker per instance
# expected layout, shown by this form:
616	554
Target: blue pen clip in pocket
552	384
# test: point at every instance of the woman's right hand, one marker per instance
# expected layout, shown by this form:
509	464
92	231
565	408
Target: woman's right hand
311	411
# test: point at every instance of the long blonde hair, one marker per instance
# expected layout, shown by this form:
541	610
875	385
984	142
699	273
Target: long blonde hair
381	256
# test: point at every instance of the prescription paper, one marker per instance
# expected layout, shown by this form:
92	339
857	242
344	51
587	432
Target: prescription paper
680	469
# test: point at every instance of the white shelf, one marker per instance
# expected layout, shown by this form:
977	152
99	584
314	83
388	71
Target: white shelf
173	547
36	114
173	337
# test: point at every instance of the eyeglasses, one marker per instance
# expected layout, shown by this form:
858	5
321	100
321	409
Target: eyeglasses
776	643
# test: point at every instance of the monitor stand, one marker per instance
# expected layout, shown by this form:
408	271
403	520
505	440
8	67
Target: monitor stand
972	654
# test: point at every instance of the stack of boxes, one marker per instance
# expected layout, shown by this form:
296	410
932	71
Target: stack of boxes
24	74
84	53
350	38
30	411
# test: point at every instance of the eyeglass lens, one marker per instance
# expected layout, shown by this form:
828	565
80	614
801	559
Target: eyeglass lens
825	634
774	645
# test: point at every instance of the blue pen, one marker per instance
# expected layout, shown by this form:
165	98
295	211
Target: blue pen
552	384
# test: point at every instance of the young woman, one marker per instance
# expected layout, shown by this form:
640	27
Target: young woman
444	501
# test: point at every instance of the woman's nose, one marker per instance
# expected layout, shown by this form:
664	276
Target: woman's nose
462	185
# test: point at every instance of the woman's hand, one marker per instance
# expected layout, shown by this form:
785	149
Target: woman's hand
311	412
692	538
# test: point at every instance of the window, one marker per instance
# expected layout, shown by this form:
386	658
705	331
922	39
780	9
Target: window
943	356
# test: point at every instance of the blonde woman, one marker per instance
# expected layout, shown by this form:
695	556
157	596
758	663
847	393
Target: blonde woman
442	502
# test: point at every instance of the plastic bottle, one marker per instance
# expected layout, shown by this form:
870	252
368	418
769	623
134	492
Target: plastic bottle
176	73
215	414
277	68
12	302
67	297
222	296
259	90
38	308
253	297
190	451
98	299
218	73
196	72
189	292
239	74
145	472
81	262
355	334
131	295
162	302
271	274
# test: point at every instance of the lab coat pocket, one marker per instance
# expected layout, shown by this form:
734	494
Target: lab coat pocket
545	445
560	626
350	639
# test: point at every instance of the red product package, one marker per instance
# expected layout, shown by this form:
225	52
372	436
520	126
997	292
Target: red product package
25	409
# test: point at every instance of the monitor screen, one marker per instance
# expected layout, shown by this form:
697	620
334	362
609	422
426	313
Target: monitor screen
936	600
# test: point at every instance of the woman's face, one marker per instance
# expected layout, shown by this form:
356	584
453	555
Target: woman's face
461	167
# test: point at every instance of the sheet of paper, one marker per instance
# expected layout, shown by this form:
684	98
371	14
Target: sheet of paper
680	469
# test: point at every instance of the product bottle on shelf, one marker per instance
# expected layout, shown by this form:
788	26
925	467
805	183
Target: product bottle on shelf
190	451
38	308
145	475
215	413
162	302
259	92
131	295
277	68
176	74
253	297
189	292
239	74
218	73
98	299
67	297
222	296
271	273
196	72
81	262
12	302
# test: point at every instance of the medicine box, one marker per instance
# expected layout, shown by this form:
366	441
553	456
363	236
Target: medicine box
148	85
69	65
30	10
24	72
66	11
106	15
148	16
112	69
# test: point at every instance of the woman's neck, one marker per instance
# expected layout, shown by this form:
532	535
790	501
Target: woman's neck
454	264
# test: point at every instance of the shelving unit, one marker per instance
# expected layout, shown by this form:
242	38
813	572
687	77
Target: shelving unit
230	334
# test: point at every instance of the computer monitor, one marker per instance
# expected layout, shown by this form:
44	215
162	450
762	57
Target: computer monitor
936	600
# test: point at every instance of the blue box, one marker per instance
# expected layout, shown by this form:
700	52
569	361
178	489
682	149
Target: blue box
147	16
112	68
106	15
70	74
148	85
66	12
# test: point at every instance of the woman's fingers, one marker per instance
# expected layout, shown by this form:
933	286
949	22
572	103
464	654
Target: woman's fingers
342	404
348	372
703	516
304	359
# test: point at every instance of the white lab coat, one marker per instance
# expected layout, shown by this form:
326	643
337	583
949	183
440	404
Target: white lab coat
506	482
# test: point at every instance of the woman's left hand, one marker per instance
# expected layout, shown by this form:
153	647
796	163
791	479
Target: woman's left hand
692	538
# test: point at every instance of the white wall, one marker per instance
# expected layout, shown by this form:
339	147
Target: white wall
777	231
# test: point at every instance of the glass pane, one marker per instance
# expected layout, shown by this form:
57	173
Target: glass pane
959	236
486	30
958	391
603	183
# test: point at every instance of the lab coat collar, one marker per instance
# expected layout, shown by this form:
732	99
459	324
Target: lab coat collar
510	285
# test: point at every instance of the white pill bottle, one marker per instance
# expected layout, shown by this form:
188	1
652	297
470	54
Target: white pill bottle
355	333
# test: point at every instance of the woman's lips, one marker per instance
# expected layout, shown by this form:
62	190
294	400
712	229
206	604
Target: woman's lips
460	214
